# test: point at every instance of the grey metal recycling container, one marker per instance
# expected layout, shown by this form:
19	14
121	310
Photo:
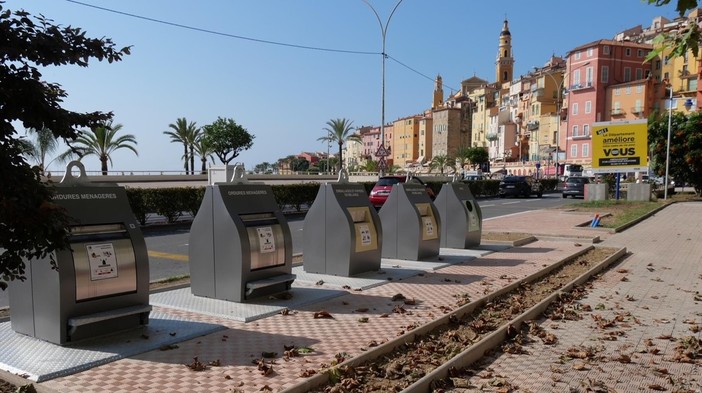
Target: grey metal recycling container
411	223
342	232
102	283
461	217
240	244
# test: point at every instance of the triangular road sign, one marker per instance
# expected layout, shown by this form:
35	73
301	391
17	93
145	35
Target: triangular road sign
382	151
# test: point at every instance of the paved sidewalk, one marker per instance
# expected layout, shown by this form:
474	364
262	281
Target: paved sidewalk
642	309
661	300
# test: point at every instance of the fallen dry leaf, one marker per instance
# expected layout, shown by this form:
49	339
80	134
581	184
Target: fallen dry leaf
581	367
398	296
623	358
549	339
322	314
660	371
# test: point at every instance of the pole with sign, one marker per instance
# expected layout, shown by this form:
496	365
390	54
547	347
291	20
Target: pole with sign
382	152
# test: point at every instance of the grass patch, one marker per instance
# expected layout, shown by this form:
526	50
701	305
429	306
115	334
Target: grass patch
633	212
173	279
621	211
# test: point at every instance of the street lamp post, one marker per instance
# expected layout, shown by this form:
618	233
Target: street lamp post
559	102
383	33
328	152
667	146
518	121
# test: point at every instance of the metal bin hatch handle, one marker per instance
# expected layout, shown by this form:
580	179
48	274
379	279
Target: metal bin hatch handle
239	176
343	176
68	177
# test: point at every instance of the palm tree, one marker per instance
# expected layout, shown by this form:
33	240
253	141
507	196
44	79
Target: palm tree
185	133
44	144
192	137
463	155
339	131
440	161
370	166
203	149
102	141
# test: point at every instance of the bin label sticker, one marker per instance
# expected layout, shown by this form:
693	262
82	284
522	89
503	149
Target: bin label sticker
428	226
265	239
473	222
366	237
103	261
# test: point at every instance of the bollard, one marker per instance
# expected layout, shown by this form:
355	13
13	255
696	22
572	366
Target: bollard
595	221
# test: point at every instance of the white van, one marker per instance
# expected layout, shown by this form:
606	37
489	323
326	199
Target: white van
572	170
473	175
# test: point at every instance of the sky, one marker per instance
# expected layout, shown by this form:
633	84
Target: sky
207	59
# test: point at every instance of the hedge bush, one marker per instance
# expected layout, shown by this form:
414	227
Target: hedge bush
172	203
295	195
549	184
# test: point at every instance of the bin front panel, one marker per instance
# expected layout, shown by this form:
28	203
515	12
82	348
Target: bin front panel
429	228
104	262
267	244
366	237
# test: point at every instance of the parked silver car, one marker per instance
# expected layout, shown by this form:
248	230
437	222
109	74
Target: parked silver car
574	186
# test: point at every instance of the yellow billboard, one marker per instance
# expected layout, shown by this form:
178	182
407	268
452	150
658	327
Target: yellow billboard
620	146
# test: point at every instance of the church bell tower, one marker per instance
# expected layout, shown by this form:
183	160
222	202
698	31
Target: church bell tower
505	62
438	93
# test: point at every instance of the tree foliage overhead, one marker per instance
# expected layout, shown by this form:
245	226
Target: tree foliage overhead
680	41
685	163
30	224
227	139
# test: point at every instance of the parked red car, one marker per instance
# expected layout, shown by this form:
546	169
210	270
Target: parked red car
381	190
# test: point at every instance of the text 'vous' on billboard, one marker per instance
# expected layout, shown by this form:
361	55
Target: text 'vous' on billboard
620	146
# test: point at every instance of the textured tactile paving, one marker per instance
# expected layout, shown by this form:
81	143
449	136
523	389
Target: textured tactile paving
41	360
361	319
661	300
251	310
649	300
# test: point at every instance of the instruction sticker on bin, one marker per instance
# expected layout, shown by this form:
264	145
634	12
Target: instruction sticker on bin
366	237
473	222
266	240
103	261
428	226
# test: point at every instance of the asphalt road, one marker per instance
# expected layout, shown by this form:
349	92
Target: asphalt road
168	250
